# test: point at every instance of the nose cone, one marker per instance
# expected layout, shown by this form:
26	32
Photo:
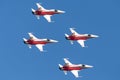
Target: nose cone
60	11
54	41
88	66
94	36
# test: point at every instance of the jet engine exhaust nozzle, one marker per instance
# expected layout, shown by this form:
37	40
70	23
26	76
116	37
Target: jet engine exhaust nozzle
60	68
33	13
67	38
25	42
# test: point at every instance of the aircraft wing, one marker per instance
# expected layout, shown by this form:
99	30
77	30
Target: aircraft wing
48	17
73	31
32	36
75	73
39	6
81	42
67	62
40	47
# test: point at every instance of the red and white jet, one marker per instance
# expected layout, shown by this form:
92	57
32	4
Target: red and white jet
74	68
80	38
45	13
39	43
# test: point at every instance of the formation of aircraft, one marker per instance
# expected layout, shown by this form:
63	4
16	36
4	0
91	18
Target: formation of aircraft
74	68
39	43
41	11
80	38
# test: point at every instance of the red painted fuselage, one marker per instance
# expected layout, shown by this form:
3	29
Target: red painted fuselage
41	13
69	68
74	37
32	42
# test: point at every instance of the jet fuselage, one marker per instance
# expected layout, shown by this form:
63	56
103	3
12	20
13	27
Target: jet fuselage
74	37
74	67
41	13
70	68
32	42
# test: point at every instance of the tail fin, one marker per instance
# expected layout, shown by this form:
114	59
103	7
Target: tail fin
66	35
24	39
33	10
60	65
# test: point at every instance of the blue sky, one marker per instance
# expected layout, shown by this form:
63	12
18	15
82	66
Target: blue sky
18	62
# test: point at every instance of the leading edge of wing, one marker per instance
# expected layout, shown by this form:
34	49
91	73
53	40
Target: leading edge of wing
67	61
40	6
73	31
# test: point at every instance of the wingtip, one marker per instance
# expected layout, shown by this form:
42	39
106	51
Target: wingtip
52	21
38	3
29	33
79	76
65	58
44	51
72	28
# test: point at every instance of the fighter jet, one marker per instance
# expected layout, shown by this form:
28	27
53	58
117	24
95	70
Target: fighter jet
45	13
74	68
39	43
80	38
